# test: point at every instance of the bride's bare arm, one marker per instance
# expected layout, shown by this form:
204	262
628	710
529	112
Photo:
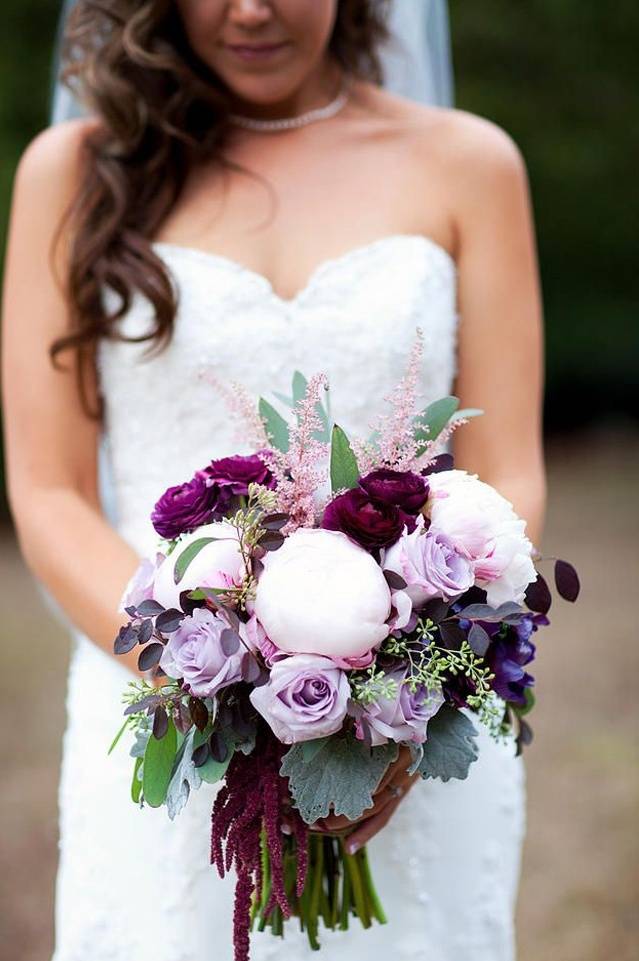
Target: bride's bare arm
51	444
500	365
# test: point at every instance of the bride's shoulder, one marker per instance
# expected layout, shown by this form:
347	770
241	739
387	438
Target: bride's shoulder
53	160
460	141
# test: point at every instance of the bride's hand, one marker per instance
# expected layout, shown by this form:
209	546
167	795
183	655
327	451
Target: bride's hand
391	790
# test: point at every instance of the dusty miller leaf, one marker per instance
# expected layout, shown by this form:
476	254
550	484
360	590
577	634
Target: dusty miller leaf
450	748
185	778
343	775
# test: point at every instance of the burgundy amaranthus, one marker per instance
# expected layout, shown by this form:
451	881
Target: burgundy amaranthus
251	800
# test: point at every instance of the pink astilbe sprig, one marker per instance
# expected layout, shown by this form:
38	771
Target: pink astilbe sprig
429	451
302	469
255	798
241	406
395	445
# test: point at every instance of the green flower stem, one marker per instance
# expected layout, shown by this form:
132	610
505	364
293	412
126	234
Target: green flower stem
359	899
375	904
316	880
346	900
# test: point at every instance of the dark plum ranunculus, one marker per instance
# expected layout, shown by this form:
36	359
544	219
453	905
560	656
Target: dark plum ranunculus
403	489
373	524
183	508
237	472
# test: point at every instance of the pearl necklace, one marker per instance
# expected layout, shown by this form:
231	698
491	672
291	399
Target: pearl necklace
292	123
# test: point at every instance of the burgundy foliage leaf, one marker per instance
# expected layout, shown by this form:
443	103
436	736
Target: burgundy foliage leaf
150	656
538	596
567	580
160	723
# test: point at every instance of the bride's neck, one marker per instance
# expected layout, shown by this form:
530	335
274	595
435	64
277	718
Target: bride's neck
318	88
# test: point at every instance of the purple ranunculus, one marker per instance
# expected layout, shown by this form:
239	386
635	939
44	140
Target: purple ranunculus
195	653
508	656
401	718
234	474
430	565
305	698
372	524
404	489
183	508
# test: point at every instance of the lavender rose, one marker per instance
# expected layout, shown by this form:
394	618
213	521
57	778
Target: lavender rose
305	698
234	474
430	565
401	718
404	489
183	508
372	524
195	653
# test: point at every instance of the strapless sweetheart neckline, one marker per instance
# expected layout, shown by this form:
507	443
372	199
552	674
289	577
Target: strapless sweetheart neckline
324	267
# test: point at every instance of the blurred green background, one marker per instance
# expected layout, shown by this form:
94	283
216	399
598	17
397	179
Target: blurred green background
561	77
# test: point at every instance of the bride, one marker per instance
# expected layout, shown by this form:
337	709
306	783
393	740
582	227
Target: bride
245	200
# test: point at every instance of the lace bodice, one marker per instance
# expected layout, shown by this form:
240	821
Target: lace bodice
133	885
355	320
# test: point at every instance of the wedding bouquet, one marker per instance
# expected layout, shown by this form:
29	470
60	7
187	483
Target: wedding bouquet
314	606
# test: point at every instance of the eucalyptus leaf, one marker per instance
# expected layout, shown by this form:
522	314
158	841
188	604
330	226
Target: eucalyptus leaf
187	556
538	596
344	470
467	413
185	778
158	766
342	777
430	423
478	639
213	769
450	747
136	780
275	425
567	581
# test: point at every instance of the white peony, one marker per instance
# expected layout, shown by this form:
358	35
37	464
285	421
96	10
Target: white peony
218	564
321	593
483	527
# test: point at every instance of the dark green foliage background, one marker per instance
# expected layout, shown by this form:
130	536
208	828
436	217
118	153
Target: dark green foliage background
561	77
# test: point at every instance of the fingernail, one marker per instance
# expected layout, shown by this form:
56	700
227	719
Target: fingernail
352	847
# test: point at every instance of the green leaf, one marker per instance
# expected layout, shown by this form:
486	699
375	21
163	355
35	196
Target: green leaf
276	426
119	735
467	414
187	556
158	766
430	423
523	709
299	387
344	470
212	770
184	779
311	748
450	747
136	783
343	776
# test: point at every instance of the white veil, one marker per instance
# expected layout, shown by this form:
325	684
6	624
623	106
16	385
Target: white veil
416	61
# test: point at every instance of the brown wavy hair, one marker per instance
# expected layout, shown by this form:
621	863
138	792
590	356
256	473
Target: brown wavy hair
159	109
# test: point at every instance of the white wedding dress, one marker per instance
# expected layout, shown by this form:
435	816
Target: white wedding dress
134	886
